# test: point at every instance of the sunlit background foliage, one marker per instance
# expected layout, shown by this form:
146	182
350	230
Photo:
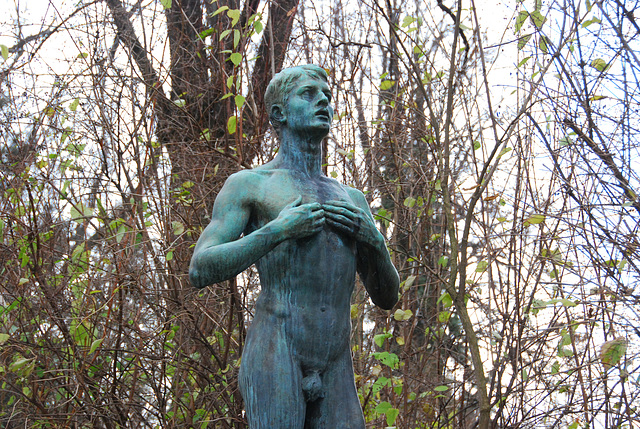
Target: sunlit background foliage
497	145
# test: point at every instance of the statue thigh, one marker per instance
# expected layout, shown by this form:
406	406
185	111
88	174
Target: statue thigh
270	381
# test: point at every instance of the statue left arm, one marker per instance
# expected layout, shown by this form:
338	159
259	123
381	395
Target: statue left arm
378	274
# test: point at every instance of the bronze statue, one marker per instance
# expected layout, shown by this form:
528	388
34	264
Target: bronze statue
308	235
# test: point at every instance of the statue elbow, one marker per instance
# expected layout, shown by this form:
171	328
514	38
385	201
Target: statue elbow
196	279
388	302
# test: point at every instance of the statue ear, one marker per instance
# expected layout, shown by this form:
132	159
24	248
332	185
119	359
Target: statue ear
277	115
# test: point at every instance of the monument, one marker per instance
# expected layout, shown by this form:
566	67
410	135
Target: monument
308	236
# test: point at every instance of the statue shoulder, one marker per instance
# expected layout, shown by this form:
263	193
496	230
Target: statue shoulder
244	178
242	185
356	196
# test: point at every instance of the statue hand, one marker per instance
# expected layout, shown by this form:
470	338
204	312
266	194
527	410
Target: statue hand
353	221
300	220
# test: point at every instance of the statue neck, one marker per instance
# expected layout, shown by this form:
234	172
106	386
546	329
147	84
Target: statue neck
302	153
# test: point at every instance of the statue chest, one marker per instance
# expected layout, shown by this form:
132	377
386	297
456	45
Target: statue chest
280	191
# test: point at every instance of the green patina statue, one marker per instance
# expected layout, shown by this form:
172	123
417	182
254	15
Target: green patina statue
308	235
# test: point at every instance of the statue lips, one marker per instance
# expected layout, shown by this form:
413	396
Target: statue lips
323	113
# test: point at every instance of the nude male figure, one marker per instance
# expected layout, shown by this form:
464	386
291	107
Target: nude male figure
308	236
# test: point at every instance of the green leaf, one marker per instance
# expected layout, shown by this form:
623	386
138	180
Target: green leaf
178	227
80	332
564	141
239	99
402	315
442	388
232	124
446	300
409	202
476	145
122	230
522	42
355	311
206	33
380	383
18	364
95	345
563	301
5	52
406	285
600	65
534	219
379	338
224	34
220	10
590	21
258	26
234	14
80	211
538	19
407	21
236	58
4	338
386	84
523	62
482	266
166	4
388	410
542	43
612	352
169	255
504	151
236	38
389	359
520	20
74	104
444	316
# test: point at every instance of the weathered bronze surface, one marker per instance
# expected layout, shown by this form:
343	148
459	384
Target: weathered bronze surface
308	235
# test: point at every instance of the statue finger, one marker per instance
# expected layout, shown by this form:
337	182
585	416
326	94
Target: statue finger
338	225
341	203
294	203
340	210
357	225
337	217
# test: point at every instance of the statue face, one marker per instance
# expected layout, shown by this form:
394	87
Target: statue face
308	108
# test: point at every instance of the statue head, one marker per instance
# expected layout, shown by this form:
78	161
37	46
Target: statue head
283	83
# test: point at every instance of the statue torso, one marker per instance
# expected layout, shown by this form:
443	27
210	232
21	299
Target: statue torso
306	283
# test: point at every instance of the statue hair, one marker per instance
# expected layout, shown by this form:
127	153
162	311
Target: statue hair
282	83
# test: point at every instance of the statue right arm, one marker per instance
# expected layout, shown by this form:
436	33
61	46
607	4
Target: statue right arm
220	253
